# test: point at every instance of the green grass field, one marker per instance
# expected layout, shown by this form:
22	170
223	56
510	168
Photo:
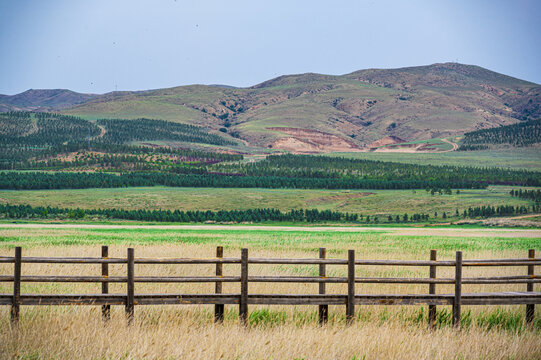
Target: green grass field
366	202
392	242
514	158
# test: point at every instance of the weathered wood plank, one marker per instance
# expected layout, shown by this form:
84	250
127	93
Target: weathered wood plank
398	299
187	299
73	299
270	279
295	299
72	260
6	299
507	298
7	259
503	263
187	260
300	261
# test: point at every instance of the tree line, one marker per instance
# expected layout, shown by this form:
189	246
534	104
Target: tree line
120	131
81	180
50	129
534	195
250	215
44	129
314	166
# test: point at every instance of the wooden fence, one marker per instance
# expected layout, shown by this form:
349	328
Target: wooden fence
244	298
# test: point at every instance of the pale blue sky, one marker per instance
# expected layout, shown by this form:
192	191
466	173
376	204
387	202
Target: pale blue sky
97	45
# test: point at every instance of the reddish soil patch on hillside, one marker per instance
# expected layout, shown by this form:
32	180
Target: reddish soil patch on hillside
311	141
388	140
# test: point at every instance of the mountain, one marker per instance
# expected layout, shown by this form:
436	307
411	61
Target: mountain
317	112
54	99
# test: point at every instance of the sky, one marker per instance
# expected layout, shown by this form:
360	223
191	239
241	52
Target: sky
97	46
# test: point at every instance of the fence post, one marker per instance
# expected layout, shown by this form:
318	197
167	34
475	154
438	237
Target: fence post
458	290
323	309
243	304
130	287
530	308
219	308
432	290
350	306
16	302
105	309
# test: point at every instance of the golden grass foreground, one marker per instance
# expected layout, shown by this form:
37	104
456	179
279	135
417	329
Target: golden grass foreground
277	332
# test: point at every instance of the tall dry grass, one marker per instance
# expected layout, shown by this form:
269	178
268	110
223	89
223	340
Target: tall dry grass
184	334
278	332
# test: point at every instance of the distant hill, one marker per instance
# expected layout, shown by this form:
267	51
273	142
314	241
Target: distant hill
43	100
356	109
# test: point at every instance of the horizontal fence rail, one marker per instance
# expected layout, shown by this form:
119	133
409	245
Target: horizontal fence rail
219	299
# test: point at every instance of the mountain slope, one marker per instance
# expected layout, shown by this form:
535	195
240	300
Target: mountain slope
308	110
53	99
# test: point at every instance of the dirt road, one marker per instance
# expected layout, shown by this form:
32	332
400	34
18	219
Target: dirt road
401	231
455	146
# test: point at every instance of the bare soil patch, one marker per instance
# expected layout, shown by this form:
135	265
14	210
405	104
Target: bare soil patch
388	140
311	141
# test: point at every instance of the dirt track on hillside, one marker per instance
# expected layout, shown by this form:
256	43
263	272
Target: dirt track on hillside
402	231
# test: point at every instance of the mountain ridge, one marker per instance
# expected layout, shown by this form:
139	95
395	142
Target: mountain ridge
413	103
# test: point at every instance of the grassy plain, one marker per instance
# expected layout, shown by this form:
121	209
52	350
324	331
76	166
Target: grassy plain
366	202
285	332
514	158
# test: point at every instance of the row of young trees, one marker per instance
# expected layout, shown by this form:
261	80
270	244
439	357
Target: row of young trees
79	180
521	134
250	215
49	158
121	131
44	130
49	129
501	210
534	195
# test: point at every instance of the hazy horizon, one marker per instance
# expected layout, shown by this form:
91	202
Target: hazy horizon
100	46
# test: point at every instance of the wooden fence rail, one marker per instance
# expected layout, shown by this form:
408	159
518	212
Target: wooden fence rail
244	298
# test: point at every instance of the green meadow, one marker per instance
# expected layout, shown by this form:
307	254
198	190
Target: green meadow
366	202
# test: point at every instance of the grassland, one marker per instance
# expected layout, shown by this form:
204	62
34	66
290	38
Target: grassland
514	158
366	202
285	332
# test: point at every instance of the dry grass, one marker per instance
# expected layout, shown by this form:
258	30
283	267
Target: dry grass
182	334
278	332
